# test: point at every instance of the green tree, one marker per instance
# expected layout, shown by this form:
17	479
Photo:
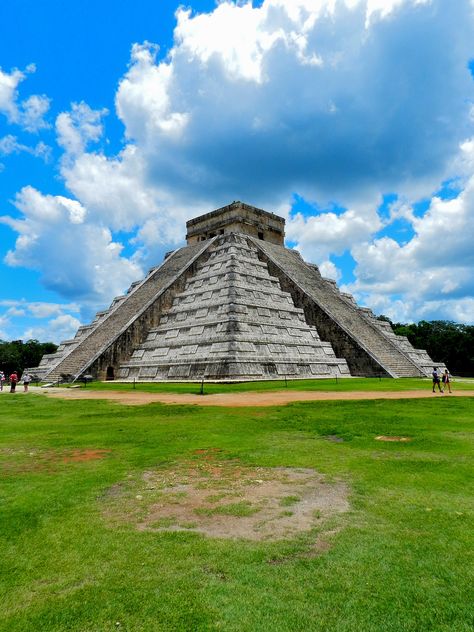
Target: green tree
17	355
445	341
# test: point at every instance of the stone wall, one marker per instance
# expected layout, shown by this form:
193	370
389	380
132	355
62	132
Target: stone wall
237	218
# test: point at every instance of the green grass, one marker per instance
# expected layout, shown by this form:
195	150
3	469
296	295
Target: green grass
240	509
400	560
287	501
329	384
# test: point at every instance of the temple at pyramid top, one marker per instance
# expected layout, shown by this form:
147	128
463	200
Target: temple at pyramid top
234	304
237	218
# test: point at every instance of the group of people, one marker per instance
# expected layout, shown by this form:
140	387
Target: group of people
439	377
14	379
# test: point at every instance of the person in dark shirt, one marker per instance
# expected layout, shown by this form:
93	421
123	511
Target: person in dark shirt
436	380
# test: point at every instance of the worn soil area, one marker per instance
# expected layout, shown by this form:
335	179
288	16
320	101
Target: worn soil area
273	398
31	459
222	498
393	439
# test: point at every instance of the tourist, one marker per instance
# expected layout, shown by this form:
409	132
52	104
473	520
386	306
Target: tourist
447	380
436	380
26	381
13	381
2	379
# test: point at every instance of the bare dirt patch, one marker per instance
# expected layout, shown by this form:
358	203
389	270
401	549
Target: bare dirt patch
273	398
85	455
40	460
393	438
226	499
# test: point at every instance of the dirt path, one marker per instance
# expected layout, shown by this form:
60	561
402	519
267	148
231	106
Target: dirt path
273	398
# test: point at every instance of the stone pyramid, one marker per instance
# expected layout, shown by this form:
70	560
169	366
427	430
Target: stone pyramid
234	304
232	321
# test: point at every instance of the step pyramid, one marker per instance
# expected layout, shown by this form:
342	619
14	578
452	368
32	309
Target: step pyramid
232	321
234	304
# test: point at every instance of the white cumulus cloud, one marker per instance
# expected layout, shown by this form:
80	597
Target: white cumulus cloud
28	113
23	320
79	127
62	327
326	233
10	144
432	271
236	110
77	259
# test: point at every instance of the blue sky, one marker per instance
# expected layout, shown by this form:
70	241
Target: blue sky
119	121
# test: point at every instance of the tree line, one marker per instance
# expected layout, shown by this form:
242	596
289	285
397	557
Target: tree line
18	355
445	341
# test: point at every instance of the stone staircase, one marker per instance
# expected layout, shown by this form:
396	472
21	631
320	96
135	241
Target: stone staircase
419	356
347	316
124	311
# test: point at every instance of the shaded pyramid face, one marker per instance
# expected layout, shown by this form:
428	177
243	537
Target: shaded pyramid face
232	321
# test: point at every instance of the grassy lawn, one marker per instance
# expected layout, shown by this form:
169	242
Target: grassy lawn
332	384
401	558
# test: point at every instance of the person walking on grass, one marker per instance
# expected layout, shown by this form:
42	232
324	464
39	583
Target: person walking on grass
13	381
2	379
436	380
447	380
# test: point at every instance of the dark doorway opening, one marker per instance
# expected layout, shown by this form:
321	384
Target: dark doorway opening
110	373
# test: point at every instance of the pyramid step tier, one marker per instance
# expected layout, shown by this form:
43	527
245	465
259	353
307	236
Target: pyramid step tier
234	368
